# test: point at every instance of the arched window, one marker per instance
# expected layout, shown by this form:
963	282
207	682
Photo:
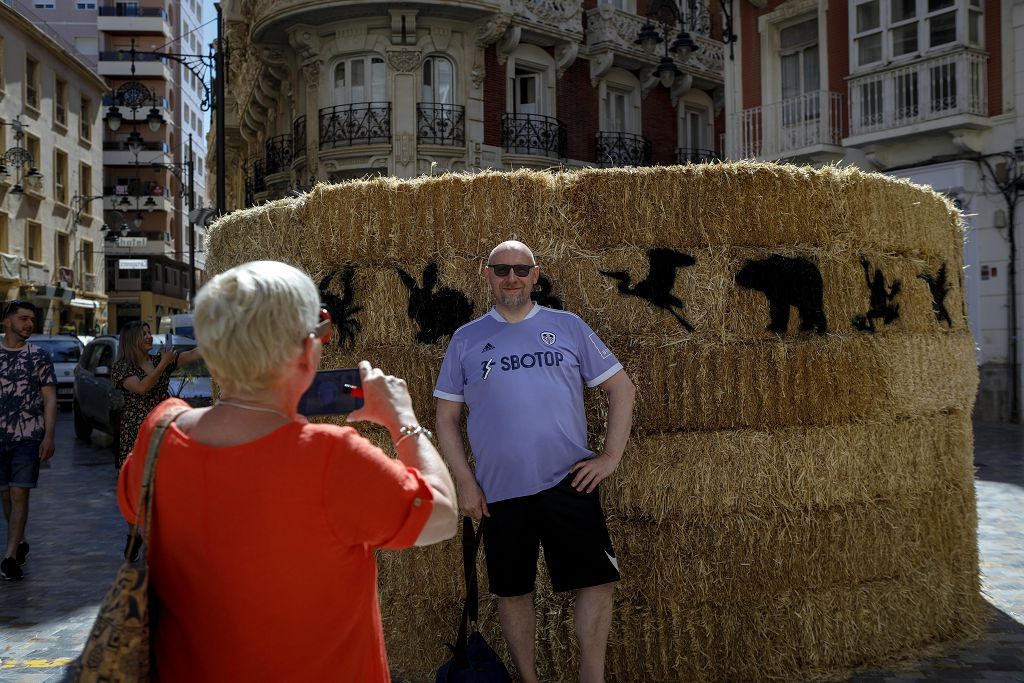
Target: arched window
438	81
360	79
620	102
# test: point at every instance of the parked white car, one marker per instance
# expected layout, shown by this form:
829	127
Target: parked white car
66	351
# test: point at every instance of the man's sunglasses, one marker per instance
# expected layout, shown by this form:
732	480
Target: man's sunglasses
322	331
502	269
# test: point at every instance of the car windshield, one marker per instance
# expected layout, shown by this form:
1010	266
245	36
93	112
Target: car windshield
60	350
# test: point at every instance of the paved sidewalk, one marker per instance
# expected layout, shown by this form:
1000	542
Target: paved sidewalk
77	537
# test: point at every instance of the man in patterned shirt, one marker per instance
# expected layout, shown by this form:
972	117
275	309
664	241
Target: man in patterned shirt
28	416
520	370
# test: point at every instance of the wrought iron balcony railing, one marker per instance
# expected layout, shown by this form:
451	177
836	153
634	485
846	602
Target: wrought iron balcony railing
109	101
924	90
124	56
441	124
279	154
533	134
623	149
363	123
122	146
693	155
299	137
255	179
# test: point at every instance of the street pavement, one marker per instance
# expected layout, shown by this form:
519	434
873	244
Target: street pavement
77	536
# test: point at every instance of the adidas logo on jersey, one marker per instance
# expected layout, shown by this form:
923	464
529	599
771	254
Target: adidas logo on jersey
488	347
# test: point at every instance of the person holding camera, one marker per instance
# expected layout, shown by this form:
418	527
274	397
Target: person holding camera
264	525
520	370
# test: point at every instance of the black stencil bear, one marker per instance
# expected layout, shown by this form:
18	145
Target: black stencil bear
939	287
343	312
656	288
438	313
543	296
787	282
882	307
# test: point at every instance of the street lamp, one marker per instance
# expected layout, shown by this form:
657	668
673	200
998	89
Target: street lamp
19	158
179	170
80	202
667	16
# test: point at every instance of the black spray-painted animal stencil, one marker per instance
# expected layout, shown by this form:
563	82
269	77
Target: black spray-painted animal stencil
656	288
939	286
342	309
542	294
438	313
787	282
881	300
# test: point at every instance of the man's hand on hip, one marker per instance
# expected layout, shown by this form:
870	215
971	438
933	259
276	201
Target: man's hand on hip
592	471
471	500
46	449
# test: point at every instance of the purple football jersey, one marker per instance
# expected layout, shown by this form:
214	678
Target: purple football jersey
523	385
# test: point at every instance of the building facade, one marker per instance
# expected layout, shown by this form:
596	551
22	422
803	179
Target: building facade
51	239
925	90
326	91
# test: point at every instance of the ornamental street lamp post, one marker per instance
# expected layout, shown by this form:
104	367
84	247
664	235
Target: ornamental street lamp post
19	158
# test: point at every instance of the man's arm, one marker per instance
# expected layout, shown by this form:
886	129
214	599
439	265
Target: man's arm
621	396
46	447
449	437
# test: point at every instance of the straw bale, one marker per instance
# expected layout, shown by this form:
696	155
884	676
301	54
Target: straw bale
271	231
700	476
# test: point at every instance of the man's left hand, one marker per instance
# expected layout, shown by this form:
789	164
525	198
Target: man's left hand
46	449
592	471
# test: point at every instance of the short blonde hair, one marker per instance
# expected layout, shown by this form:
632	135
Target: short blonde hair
250	321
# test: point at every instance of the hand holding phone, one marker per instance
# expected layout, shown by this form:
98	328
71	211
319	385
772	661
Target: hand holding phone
387	400
333	392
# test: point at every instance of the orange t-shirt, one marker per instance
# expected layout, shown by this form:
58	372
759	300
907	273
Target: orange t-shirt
263	554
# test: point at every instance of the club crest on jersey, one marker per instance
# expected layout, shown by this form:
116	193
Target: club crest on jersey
547	337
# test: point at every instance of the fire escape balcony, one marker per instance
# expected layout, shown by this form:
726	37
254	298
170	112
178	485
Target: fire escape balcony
533	135
623	149
929	95
348	125
804	128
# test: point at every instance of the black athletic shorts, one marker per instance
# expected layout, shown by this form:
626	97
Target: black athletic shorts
571	527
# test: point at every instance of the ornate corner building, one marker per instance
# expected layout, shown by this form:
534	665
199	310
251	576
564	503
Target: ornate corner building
328	90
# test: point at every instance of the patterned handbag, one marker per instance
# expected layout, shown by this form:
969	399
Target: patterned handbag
117	650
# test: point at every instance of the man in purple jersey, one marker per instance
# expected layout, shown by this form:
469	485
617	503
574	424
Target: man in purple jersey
520	370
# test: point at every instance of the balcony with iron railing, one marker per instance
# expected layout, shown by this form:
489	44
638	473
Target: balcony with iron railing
299	137
623	149
441	124
533	134
795	127
939	93
278	154
255	179
348	125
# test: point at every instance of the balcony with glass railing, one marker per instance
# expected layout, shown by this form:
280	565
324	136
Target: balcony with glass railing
806	125
348	125
929	94
622	149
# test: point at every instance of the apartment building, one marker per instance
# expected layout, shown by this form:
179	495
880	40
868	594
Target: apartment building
926	90
146	166
51	239
329	91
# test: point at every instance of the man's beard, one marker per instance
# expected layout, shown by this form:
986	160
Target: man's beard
513	299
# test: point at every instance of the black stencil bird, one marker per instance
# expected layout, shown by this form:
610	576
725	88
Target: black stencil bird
343	312
656	288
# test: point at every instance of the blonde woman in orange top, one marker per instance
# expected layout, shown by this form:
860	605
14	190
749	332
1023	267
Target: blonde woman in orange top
265	526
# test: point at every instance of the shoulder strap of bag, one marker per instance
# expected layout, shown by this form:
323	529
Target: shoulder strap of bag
470	612
155	440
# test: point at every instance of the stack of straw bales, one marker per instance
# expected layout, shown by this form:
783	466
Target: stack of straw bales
793	503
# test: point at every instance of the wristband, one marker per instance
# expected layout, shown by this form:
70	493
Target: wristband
412	430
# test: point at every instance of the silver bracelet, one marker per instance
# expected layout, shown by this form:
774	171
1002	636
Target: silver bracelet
412	430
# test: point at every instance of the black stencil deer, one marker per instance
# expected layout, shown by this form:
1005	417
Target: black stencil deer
656	288
881	301
438	313
342	309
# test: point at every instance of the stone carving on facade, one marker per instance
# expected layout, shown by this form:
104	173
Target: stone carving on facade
709	57
404	61
680	86
648	81
311	73
600	64
405	148
489	30
441	35
305	41
479	71
565	55
698	22
509	42
606	24
564	15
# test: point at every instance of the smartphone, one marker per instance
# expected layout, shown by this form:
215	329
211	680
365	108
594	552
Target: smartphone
333	392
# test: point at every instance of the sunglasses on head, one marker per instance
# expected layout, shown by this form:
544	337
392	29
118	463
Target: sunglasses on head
322	331
502	269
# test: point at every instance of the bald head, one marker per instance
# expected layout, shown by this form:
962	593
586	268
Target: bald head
512	246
